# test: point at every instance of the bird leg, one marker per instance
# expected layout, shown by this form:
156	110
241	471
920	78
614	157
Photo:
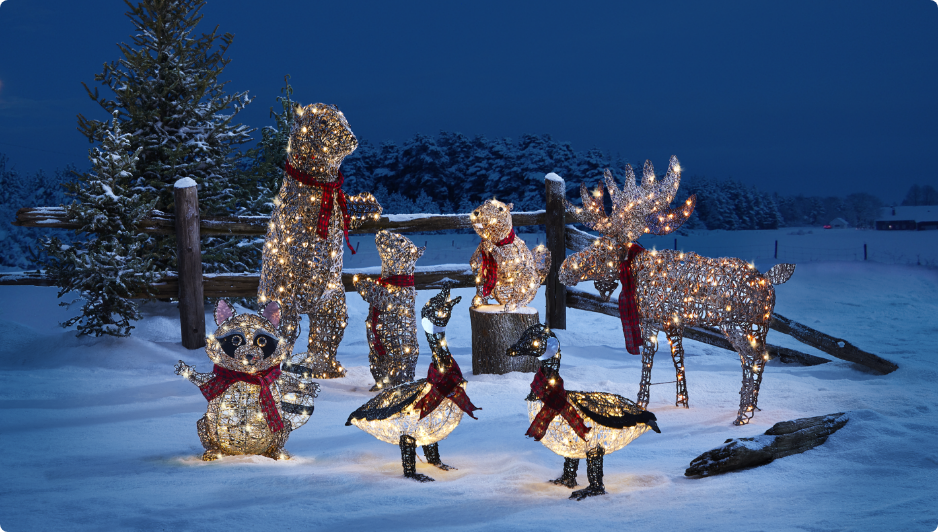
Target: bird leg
568	478
594	472
409	459
432	454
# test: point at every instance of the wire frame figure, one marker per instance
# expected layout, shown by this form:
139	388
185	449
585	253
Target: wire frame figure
504	266
391	327
669	290
428	410
302	256
253	405
574	424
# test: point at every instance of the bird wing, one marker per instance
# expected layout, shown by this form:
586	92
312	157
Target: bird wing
608	409
389	402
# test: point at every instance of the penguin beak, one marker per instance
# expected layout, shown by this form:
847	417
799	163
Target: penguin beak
653	425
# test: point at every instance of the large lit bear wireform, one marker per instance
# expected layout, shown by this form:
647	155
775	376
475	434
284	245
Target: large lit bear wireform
252	405
391	327
302	257
504	266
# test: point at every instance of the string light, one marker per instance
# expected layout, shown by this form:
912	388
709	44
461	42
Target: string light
302	257
726	293
253	406
505	268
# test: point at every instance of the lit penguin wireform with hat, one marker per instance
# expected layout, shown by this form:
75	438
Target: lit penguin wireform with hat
426	411
576	424
391	326
504	266
252	406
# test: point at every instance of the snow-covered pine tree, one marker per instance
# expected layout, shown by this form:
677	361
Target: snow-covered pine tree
169	99
107	267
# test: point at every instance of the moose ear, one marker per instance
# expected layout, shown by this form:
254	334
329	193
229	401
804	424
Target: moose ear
271	312
223	311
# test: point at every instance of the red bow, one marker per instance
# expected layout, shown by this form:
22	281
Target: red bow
375	315
330	192
555	402
225	377
490	267
628	303
445	385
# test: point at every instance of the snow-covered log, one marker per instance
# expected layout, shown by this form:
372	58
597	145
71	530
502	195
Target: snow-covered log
783	439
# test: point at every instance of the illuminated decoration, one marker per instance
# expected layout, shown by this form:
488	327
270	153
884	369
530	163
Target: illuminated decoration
426	411
573	424
392	326
504	266
302	257
669	290
252	405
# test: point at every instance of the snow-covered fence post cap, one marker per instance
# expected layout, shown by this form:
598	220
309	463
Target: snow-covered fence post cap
185	182
553	177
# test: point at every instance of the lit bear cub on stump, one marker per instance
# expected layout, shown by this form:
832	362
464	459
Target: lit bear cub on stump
252	406
392	324
504	266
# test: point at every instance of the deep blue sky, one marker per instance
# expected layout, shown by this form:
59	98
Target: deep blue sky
801	96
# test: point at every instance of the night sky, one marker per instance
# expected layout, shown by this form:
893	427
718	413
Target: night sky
801	96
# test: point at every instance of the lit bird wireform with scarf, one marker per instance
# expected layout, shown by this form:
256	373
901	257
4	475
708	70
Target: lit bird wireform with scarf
668	290
504	266
391	327
426	411
302	257
252	405
573	424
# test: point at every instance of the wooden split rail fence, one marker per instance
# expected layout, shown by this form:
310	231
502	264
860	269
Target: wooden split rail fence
191	284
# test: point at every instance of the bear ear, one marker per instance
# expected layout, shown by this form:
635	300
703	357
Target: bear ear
223	311
510	206
271	312
418	252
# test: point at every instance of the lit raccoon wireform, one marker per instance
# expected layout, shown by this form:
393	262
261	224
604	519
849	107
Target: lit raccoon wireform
392	325
504	266
252	405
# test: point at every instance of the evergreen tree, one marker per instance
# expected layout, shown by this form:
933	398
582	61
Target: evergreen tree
168	98
107	268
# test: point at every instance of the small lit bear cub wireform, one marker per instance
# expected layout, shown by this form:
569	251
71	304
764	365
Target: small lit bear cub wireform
391	327
252	405
504	266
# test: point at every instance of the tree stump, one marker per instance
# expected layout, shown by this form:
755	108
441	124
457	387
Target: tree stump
493	332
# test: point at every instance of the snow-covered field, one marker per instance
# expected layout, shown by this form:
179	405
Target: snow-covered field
99	434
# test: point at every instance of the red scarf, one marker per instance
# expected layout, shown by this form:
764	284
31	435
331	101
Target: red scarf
628	303
330	192
225	377
555	402
375	315
490	267
445	385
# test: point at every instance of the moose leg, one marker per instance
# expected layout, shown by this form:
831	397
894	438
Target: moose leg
750	344
649	347
675	340
594	472
326	328
568	479
432	454
408	446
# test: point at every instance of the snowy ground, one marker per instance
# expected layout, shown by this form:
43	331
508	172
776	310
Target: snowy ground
98	434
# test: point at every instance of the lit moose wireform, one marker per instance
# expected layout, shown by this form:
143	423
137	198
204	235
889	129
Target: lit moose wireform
302	257
391	327
252	406
505	268
426	411
669	290
573	424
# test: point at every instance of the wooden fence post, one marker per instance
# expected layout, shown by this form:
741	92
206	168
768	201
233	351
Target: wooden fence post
555	313
189	259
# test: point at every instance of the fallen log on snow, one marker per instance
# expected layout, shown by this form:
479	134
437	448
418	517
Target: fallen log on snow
594	303
783	439
836	347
